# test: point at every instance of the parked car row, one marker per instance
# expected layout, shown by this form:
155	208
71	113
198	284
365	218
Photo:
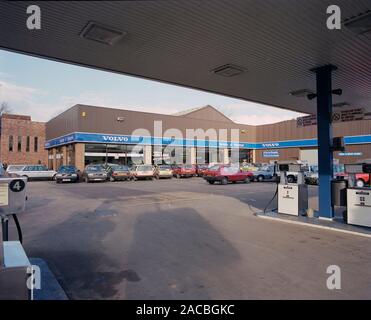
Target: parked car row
115	172
212	173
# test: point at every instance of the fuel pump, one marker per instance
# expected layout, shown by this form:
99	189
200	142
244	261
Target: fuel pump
14	264
358	198
292	197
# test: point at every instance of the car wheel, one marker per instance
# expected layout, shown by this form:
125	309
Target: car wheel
58	181
290	179
260	178
224	181
211	182
360	183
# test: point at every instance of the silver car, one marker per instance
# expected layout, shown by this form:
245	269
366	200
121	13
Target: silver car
32	172
94	172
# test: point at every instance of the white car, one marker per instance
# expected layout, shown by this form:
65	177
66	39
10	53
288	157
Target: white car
32	172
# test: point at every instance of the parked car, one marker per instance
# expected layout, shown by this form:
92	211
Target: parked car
143	171
362	179
67	173
119	172
163	171
227	173
184	170
201	169
33	172
263	174
94	172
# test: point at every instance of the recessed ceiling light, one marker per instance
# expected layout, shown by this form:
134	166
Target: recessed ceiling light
359	24
228	70
101	33
302	93
340	104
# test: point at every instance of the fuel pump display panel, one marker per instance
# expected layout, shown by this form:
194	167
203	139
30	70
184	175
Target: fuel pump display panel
359	206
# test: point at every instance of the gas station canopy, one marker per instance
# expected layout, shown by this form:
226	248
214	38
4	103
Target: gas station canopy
250	49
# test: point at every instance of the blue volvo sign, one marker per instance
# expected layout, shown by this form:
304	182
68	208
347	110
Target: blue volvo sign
127	139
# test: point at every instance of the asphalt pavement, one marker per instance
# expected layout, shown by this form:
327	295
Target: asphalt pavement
185	239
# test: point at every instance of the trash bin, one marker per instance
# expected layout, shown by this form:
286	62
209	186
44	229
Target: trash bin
339	193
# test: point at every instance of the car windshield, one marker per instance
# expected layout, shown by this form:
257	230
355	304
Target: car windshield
15	168
144	168
164	167
188	166
265	169
94	168
67	169
120	168
214	168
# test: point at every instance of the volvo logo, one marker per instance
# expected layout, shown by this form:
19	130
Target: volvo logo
115	138
269	145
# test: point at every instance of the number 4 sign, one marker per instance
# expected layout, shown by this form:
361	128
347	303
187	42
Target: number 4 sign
17	185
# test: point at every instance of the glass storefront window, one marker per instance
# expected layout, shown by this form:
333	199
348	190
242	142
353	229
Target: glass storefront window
112	153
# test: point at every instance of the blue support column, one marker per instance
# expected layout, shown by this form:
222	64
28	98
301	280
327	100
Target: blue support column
324	135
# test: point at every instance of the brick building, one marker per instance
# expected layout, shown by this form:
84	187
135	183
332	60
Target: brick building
22	140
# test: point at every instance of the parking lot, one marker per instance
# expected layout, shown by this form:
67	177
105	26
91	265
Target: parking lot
184	239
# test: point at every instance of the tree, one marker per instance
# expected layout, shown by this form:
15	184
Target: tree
4	108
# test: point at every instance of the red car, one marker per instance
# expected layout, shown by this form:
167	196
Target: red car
362	179
227	173
184	170
201	169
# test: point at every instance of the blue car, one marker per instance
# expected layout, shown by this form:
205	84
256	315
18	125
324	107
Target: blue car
263	174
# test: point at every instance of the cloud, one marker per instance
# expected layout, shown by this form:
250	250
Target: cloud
12	92
23	99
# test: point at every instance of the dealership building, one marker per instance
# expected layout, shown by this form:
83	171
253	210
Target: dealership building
89	134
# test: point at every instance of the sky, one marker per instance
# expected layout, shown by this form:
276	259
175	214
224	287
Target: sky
43	89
